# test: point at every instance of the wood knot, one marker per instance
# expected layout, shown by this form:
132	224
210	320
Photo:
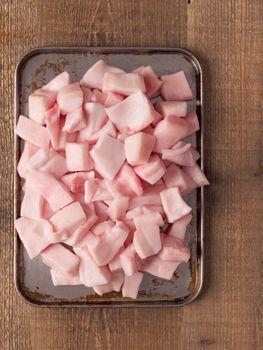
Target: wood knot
205	342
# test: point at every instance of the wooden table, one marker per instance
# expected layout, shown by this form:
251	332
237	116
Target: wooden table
227	37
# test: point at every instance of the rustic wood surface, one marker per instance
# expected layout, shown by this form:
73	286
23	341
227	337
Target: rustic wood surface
227	37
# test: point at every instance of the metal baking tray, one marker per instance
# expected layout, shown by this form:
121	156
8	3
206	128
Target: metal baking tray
32	278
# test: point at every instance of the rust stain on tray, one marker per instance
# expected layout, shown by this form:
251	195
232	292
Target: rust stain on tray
57	68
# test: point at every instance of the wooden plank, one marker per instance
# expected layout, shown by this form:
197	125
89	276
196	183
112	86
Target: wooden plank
14	333
227	37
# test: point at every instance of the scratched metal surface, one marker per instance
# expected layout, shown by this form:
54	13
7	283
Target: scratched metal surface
32	277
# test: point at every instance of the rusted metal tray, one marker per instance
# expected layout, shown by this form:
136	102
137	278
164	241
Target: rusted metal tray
32	277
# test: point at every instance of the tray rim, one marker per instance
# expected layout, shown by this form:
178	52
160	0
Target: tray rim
104	50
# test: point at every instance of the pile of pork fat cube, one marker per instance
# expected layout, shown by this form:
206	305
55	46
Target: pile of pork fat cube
106	175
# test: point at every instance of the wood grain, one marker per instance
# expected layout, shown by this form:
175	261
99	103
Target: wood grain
227	36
